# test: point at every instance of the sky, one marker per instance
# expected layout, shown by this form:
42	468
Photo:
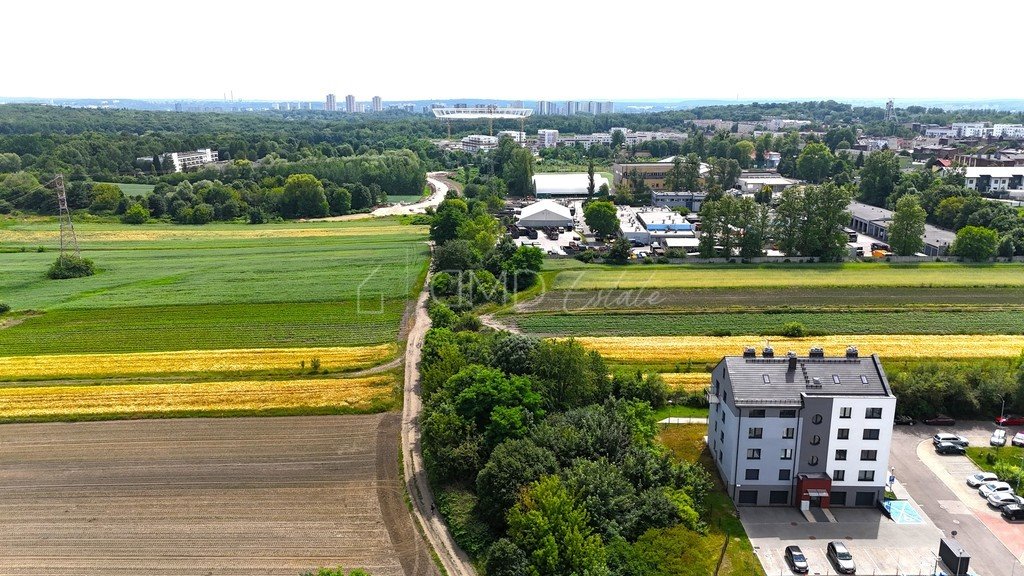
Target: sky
531	50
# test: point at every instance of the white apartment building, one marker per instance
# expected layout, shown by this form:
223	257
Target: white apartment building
994	178
808	431
477	143
350	104
1008	131
516	135
184	161
377	104
547	138
970	129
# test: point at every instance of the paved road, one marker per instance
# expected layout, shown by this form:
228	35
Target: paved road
455	561
440	189
989	556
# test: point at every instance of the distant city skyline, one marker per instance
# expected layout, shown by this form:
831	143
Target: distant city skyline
742	50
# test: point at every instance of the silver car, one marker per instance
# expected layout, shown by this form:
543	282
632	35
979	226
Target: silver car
840	557
979	478
998	438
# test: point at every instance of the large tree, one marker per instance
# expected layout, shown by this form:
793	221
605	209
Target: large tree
814	163
590	179
304	197
788	224
690	177
825	215
878	177
975	243
450	216
518	173
602	218
906	231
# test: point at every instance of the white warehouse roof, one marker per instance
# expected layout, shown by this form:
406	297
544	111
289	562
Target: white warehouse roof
545	213
572	184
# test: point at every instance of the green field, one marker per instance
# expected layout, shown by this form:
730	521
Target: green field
859	322
167	287
132	189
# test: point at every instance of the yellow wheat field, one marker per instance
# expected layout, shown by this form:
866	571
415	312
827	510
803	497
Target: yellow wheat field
85	234
240	360
57	401
686	381
666	349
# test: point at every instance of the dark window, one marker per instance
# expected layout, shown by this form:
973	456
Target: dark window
815	440
784	474
812	461
838	499
748	497
869	454
722	436
843	434
816	419
838	475
755	432
719	455
789	433
759	413
866	476
723	415
753	454
866	498
767	379
787	413
778	497
787	454
725	396
845	412
873	413
752	474
840	454
871	434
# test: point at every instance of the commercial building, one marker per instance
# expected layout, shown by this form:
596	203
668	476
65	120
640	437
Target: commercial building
805	431
332	103
547	138
994	178
691	200
568	185
477	143
350	104
516	135
587	140
752	182
546	214
653	173
377	107
874	221
185	161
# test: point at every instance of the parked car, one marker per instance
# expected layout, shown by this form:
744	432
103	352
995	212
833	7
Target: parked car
1018	439
840	557
940	420
903	419
1013	512
1010	420
979	478
998	438
990	488
796	560
949	448
950	438
1000	499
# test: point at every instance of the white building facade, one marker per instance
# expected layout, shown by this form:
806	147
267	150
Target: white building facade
547	138
477	143
184	161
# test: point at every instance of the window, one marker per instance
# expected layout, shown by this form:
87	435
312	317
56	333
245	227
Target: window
866	498
816	419
753	474
719	455
812	461
759	413
838	499
789	433
840	454
845	412
873	413
767	379
787	454
755	432
753	454
869	455
835	379
815	440
748	497
725	396
778	497
866	476
787	413
723	415
871	434
721	435
838	475
863	379
784	474
843	434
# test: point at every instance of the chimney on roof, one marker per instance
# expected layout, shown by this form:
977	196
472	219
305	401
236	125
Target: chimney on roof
768	352
791	356
851	352
749	352
817	352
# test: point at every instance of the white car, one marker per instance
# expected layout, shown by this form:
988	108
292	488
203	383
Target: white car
998	438
1018	439
951	438
979	478
990	488
997	499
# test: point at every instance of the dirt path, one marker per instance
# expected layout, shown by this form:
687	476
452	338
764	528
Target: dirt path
455	561
492	322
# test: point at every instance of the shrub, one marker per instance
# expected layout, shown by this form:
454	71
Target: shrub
793	330
587	256
314	365
4	308
257	216
136	214
68	266
990	458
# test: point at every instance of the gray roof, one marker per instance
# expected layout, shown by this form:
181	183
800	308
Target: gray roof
785	388
933	235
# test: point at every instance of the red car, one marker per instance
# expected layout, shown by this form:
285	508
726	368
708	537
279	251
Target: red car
940	420
1010	420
